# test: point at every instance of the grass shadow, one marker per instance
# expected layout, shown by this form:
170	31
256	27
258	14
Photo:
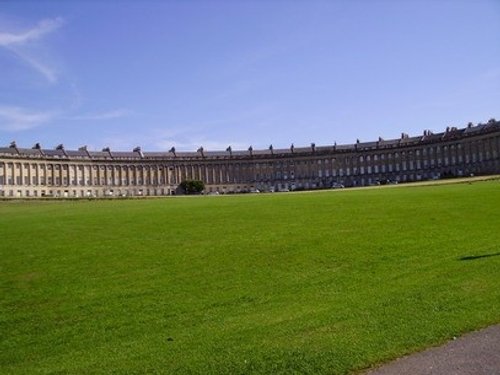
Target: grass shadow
474	257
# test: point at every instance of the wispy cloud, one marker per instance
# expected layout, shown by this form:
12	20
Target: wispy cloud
19	44
42	28
108	115
14	118
17	119
42	68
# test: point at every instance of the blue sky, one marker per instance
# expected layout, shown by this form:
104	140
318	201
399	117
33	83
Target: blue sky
159	74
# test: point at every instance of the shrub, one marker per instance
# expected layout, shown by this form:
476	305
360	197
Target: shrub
192	186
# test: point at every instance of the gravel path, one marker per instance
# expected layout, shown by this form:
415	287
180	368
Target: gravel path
476	353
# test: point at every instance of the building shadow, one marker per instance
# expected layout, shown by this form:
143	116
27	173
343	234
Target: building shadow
474	257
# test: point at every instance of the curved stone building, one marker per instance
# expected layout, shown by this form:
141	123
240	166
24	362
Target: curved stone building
38	172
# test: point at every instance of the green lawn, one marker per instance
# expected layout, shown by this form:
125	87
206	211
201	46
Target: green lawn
328	282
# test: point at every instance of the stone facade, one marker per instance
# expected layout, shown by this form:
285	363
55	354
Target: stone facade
38	172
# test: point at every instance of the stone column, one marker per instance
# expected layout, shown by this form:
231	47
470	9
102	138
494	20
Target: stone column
99	174
128	171
2	174
61	172
39	174
20	174
91	174
36	181
211	173
106	174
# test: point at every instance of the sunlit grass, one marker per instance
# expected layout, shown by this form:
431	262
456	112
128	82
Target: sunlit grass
326	282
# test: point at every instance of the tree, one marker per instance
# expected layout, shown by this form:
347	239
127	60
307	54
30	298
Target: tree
192	186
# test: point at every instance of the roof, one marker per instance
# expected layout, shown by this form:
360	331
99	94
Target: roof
450	134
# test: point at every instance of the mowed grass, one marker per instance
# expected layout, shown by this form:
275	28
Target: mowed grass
329	282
